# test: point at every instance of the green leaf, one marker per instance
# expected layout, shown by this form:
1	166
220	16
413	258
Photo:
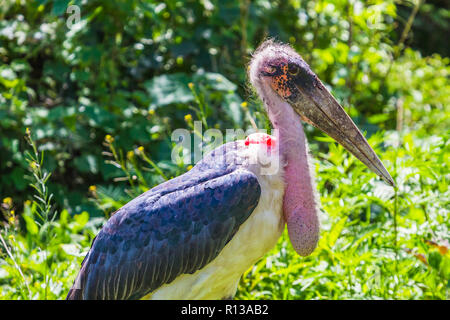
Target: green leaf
215	80
31	225
59	7
336	231
87	163
169	89
81	220
18	178
233	108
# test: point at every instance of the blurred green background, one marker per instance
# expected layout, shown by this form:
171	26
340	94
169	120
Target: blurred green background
102	95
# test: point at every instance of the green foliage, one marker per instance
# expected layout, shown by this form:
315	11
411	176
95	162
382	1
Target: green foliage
376	243
37	263
101	99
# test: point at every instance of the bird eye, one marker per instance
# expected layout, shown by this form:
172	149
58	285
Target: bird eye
270	69
293	69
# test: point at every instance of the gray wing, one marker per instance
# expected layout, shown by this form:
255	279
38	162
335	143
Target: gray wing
175	228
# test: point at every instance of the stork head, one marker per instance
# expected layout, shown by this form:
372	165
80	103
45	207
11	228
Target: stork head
277	71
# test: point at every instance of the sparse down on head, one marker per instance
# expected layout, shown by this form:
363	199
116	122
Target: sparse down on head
277	68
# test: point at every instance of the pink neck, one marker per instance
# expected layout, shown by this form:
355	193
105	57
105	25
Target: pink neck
299	205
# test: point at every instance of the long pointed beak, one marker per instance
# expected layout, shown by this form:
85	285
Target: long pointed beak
317	106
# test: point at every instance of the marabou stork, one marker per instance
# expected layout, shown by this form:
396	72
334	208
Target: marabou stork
193	237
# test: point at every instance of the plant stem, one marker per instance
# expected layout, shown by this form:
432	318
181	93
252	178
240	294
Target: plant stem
16	265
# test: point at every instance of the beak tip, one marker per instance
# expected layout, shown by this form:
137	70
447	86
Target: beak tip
389	180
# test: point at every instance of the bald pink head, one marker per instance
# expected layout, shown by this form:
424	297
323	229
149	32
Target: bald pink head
291	91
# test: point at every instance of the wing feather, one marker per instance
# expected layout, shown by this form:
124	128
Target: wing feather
175	228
